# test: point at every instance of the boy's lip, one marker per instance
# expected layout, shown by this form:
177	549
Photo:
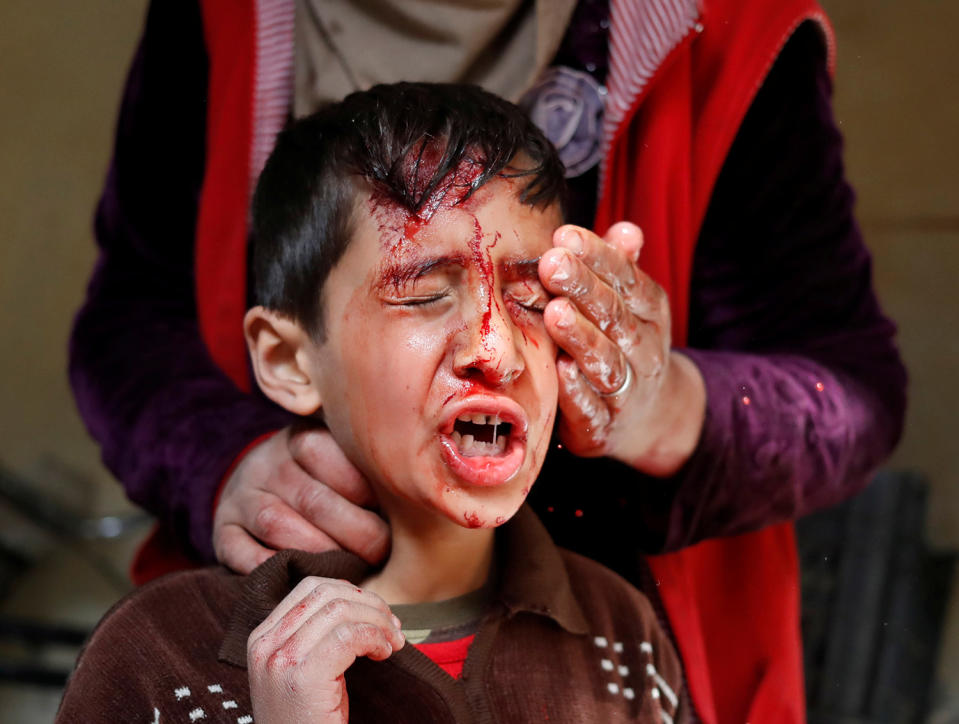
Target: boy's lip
485	470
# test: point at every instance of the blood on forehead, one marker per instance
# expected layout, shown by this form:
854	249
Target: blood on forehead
398	224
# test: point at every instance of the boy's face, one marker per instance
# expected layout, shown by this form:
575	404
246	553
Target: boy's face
436	374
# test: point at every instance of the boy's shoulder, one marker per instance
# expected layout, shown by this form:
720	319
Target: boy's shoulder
590	629
177	604
622	619
155	651
607	597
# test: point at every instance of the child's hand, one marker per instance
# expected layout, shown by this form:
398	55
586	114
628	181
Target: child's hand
298	655
296	490
622	391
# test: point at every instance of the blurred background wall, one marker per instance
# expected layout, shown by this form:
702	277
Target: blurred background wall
61	71
62	68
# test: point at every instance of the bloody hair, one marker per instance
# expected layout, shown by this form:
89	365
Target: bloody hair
403	139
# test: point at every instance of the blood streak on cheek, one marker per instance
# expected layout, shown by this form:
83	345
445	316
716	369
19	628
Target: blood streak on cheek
527	339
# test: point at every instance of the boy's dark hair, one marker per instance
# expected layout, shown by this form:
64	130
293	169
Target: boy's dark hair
391	136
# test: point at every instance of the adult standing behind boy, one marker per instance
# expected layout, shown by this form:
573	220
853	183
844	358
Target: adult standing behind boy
748	226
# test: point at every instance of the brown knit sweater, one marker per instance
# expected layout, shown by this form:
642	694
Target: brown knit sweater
565	640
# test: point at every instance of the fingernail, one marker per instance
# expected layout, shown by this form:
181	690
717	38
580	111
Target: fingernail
573	241
565	318
563	269
396	622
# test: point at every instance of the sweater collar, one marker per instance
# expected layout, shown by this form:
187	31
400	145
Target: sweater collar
533	579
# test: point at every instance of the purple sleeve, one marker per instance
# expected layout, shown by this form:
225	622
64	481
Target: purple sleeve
168	421
805	388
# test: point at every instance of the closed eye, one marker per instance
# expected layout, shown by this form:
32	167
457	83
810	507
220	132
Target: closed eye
424	300
538	305
531	296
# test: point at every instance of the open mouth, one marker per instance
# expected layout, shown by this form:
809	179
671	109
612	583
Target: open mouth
484	440
479	435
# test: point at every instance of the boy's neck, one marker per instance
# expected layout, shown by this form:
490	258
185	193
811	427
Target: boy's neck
432	559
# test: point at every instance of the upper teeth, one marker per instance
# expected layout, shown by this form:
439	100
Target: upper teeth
480	419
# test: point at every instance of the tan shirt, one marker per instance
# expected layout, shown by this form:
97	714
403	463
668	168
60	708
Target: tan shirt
343	45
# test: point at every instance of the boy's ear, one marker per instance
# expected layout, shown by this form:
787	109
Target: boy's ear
281	350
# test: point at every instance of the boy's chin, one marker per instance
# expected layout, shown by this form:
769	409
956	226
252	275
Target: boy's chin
486	515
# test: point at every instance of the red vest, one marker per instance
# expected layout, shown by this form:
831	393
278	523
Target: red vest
733	603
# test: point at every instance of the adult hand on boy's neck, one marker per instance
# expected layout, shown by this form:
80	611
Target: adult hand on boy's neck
296	490
623	392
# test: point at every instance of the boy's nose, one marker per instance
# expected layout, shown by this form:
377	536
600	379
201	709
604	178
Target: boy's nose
488	347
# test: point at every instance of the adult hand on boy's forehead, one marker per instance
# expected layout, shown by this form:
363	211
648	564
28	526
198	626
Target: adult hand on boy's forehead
623	392
296	490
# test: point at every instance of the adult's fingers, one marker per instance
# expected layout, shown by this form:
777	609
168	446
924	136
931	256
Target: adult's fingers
610	262
276	524
352	527
585	417
599	303
613	260
318	454
608	300
332	495
237	549
627	237
600	359
291	509
280	505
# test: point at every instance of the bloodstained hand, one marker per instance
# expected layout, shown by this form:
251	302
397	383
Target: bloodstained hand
296	490
623	392
297	657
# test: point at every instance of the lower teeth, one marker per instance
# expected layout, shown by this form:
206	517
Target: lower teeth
469	446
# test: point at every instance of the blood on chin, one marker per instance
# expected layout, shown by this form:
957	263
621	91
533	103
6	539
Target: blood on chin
481	519
480	505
